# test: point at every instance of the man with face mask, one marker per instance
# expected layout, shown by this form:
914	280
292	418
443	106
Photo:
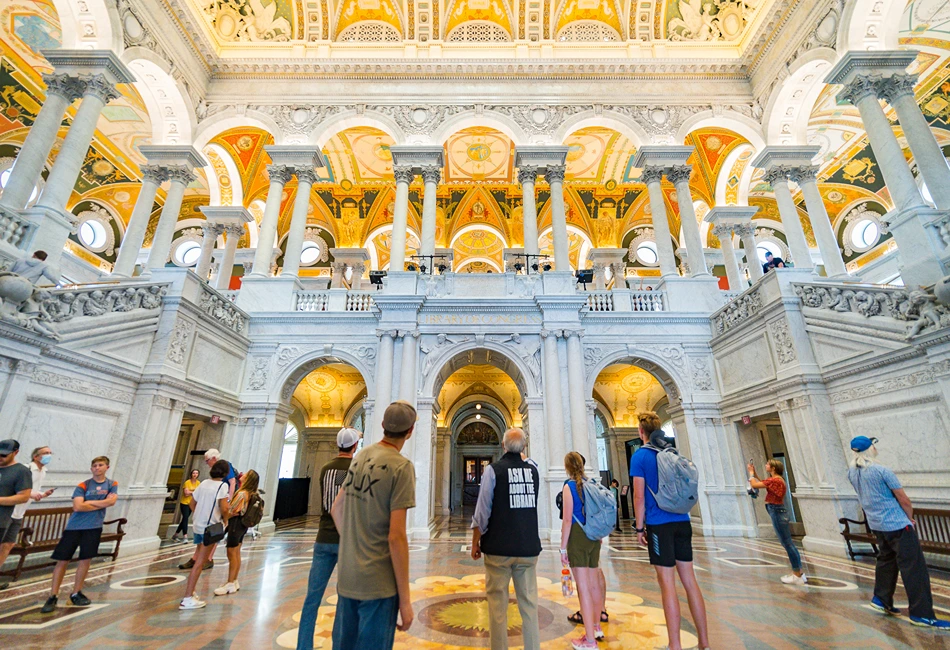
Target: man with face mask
41	457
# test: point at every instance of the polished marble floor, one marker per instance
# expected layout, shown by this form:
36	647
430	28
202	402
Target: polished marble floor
135	600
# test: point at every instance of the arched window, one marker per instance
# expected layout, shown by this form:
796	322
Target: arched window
288	456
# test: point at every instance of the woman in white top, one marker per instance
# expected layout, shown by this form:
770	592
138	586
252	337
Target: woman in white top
210	506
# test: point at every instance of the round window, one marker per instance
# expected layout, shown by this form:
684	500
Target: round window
310	253
767	247
865	234
646	253
92	234
187	253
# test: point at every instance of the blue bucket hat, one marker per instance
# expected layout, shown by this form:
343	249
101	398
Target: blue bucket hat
862	443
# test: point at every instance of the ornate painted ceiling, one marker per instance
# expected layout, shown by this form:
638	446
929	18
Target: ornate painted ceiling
625	390
329	394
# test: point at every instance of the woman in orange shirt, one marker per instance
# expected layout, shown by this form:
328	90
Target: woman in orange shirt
775	489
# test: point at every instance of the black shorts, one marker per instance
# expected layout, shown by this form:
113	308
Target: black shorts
670	543
236	532
9	534
87	541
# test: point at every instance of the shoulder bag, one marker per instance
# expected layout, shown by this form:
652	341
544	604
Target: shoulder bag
214	533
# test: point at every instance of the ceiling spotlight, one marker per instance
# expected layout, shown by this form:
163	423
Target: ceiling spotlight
478	417
519	266
547	267
411	266
478	407
442	268
423	268
534	267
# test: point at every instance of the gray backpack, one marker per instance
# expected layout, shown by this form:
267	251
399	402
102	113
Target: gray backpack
678	485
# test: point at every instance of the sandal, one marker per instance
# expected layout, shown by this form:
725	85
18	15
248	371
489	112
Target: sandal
604	618
576	618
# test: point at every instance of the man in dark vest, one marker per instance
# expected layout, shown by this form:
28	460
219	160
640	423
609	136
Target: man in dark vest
505	530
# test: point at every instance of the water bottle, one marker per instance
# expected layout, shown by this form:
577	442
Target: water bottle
567	584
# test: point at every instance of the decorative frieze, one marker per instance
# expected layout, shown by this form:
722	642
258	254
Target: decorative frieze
782	340
892	384
178	345
737	311
222	310
82	388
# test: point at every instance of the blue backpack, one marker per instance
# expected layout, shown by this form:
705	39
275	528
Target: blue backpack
600	511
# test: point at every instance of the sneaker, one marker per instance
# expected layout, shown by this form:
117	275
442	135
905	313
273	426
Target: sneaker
934	623
879	606
208	565
581	643
227	588
187	565
598	633
191	603
50	605
792	579
79	599
4	586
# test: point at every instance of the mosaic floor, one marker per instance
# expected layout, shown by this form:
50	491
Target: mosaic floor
135	601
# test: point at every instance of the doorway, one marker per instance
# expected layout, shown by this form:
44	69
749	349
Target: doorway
773	440
474	468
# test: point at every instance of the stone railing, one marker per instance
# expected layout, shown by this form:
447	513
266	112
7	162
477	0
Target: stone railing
311	300
14	229
220	308
647	301
600	301
359	301
729	294
740	309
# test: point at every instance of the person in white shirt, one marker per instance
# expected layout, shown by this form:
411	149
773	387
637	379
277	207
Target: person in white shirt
40	459
210	505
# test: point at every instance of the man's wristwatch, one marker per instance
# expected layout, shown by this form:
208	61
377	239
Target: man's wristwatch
640	530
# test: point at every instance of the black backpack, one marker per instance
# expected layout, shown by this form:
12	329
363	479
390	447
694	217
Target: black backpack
254	511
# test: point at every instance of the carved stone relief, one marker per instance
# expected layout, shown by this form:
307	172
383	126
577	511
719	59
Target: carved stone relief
180	338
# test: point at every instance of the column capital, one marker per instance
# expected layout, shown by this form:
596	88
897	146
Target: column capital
744	230
180	174
652	174
527	174
722	231
778	174
64	85
679	173
804	173
896	86
384	333
99	86
431	173
306	175
552	334
554	174
860	87
573	333
155	173
234	230
209	229
404	173
279	173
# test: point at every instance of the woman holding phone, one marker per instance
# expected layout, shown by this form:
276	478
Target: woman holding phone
775	489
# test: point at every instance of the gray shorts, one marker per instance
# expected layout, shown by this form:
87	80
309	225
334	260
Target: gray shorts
11	532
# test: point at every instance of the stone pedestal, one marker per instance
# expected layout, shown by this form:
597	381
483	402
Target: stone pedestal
699	294
268	294
602	259
354	259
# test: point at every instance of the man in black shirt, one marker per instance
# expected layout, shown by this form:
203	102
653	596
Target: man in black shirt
772	262
326	549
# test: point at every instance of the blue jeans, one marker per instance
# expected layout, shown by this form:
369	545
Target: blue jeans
365	624
779	515
324	559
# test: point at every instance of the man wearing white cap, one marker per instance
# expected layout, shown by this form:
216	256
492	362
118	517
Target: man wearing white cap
326	549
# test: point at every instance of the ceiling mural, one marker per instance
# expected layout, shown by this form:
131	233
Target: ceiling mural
471	382
479	154
626	390
328	393
493	11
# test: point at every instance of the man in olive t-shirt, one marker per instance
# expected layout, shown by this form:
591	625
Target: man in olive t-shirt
370	513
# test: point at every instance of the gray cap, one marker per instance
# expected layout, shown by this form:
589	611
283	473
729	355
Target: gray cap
399	417
8	446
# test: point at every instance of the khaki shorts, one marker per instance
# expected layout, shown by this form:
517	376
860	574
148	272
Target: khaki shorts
582	553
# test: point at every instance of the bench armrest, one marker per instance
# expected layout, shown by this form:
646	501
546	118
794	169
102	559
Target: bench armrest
24	538
122	521
847	525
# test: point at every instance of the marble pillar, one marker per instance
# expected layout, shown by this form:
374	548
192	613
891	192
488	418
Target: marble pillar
306	177
152	177
431	175
806	177
553	404
209	236
233	234
554	175
724	233
407	369
404	175
527	175
652	176
61	91
576	394
384	381
179	178
746	233
695	251
778	178
279	176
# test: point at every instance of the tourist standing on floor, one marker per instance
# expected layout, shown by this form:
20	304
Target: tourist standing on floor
370	513
581	553
212	457
184	506
40	458
246	507
890	515
615	490
83	531
775	489
669	535
326	549
210	505
505	531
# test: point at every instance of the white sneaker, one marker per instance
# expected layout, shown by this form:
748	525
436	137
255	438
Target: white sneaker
792	579
227	588
191	603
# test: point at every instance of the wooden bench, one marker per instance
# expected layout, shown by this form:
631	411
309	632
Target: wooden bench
42	530
933	529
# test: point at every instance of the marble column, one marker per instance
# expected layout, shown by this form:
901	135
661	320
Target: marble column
806	177
576	394
527	175
862	92
554	175
61	91
553	404
695	251
778	177
445	458
152	177
724	233
356	277
209	236
279	176
407	370
431	175
233	233
898	90
179	178
384	381
746	232
404	175
306	177
652	176
62	178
